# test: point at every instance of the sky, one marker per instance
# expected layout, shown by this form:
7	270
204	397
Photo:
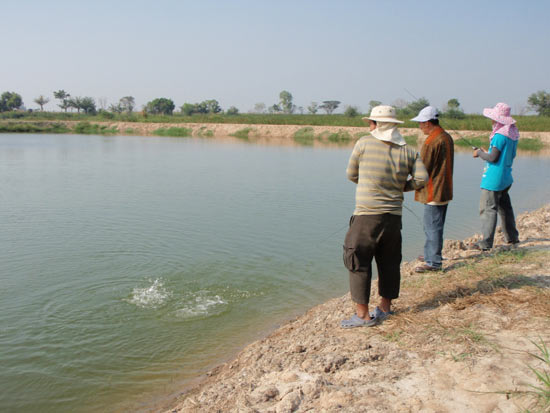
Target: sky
243	52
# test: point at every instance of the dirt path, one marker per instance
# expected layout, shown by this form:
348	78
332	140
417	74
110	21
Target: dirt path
459	341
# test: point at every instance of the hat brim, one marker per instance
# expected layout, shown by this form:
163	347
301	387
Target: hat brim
390	120
505	120
420	119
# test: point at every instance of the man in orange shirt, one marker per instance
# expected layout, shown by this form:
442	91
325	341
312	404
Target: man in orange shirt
437	154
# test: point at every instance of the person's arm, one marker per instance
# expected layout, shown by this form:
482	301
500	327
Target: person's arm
419	176
489	157
353	165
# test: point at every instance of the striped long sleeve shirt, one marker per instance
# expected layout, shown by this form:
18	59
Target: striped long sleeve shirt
382	172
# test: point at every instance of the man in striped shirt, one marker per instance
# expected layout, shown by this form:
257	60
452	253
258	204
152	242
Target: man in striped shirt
383	167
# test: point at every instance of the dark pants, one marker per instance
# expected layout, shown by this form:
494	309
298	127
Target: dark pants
378	237
491	204
434	221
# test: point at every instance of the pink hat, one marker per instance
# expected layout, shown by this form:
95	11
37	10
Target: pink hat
500	113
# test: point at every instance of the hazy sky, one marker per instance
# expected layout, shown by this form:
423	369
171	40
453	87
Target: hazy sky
242	52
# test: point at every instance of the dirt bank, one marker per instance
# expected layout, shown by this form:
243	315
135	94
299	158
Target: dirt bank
459	341
269	134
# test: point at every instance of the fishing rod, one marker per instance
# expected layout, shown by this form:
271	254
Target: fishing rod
452	130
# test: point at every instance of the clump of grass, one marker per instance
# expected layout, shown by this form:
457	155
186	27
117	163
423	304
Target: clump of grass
130	131
203	132
542	392
530	144
304	136
88	128
411	140
32	127
477	141
242	133
174	132
339	137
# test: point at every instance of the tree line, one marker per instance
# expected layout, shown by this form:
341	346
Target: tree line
9	101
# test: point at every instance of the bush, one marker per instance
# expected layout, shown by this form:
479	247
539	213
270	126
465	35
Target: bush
351	111
175	132
304	136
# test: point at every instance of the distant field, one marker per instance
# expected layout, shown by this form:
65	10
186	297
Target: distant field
471	122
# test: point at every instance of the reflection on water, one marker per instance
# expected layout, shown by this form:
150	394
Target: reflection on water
130	263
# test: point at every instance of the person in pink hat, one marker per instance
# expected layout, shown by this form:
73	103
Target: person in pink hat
497	178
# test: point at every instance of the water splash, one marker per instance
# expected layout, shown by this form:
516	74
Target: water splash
150	297
201	304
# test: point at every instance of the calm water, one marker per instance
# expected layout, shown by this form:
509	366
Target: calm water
130	264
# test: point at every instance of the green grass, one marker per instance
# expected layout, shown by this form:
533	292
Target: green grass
34	127
304	136
130	131
174	132
242	133
524	144
203	132
88	128
470	122
542	392
411	140
339	137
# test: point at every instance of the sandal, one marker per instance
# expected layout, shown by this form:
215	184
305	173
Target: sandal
353	322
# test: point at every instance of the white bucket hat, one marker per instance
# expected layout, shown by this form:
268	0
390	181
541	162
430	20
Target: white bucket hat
383	113
426	114
386	125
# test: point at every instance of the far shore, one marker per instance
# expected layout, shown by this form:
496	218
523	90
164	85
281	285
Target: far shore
261	133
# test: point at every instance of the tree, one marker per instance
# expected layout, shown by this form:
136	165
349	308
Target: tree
540	102
10	101
160	106
417	105
127	103
453	109
453	103
116	108
87	104
374	103
313	108
188	109
351	111
75	103
232	111
285	102
329	106
63	97
274	109
259	108
212	106
41	101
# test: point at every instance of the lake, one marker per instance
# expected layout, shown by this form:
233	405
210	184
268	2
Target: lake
129	265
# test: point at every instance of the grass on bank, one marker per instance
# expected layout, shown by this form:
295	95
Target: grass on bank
88	128
34	127
243	133
306	136
173	132
470	122
524	144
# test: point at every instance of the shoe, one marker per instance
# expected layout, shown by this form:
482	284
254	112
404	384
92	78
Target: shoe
353	322
477	247
378	316
420	258
377	312
514	243
426	268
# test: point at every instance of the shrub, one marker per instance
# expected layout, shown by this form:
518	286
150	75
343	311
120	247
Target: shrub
174	132
304	136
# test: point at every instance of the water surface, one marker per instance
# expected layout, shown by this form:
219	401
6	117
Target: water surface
129	264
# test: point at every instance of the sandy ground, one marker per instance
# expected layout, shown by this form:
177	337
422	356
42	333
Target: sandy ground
459	341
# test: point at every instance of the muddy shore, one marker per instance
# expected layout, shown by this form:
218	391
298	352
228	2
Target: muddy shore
460	340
